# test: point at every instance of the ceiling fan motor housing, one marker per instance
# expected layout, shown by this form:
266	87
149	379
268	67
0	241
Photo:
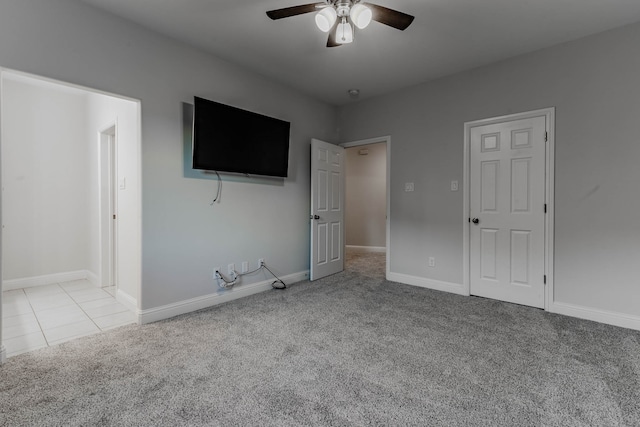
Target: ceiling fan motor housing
343	7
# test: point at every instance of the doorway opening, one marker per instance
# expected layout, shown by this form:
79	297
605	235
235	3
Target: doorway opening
70	207
367	191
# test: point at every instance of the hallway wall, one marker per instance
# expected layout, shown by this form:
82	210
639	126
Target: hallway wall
45	177
366	195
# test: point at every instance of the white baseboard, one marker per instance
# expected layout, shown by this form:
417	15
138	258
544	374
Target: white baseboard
602	316
378	249
610	318
47	279
3	354
193	304
93	278
437	285
127	300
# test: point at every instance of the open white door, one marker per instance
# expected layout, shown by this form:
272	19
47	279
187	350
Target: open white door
327	209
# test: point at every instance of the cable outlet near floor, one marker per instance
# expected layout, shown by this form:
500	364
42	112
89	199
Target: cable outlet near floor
260	262
432	261
216	272
245	266
231	268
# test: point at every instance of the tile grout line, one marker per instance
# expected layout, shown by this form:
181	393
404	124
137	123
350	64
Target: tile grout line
33	312
36	316
92	318
80	307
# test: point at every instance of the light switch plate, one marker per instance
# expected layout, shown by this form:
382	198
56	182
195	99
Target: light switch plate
454	185
408	186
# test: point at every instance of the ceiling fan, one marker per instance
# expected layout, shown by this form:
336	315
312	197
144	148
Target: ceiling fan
336	17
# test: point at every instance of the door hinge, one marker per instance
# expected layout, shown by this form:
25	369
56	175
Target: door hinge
114	216
545	208
546	136
544	280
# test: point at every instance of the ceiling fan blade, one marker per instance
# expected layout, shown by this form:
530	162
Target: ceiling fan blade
293	10
331	41
390	17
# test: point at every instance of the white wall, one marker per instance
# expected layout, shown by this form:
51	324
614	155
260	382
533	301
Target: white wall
183	237
45	177
366	195
594	84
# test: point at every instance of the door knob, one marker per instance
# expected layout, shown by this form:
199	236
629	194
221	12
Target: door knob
314	217
475	221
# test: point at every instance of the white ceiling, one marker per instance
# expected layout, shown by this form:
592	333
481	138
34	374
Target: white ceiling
447	36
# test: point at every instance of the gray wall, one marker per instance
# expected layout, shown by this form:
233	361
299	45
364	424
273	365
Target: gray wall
366	195
183	237
594	83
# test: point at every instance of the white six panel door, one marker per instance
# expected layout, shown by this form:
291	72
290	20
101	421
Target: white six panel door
507	201
327	209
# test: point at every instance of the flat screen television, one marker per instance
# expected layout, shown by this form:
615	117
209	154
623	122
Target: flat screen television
229	139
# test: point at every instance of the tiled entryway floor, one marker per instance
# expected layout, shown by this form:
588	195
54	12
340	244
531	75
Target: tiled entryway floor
44	316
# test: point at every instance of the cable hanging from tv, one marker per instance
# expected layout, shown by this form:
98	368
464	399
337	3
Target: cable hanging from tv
228	283
219	191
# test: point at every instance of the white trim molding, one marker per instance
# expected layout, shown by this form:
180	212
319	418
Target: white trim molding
3	354
187	306
437	285
93	278
376	249
549	114
47	279
127	300
608	317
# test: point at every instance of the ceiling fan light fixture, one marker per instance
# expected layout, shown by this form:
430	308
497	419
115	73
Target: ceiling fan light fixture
361	15
326	18
344	32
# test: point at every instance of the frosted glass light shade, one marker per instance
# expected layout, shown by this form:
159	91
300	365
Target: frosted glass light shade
360	15
326	18
344	33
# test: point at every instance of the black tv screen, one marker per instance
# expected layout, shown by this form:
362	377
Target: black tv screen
229	139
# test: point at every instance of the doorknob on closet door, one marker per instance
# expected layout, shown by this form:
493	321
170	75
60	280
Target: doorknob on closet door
475	221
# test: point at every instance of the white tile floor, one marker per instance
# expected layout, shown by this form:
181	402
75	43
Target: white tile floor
43	316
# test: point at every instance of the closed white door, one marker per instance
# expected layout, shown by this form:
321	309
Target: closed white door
327	209
507	211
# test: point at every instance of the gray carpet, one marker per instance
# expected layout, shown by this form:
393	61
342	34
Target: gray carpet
351	349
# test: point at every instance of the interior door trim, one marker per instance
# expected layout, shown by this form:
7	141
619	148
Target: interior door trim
549	114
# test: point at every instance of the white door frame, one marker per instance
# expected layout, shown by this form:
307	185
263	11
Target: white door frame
386	140
137	188
3	350
108	158
549	114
